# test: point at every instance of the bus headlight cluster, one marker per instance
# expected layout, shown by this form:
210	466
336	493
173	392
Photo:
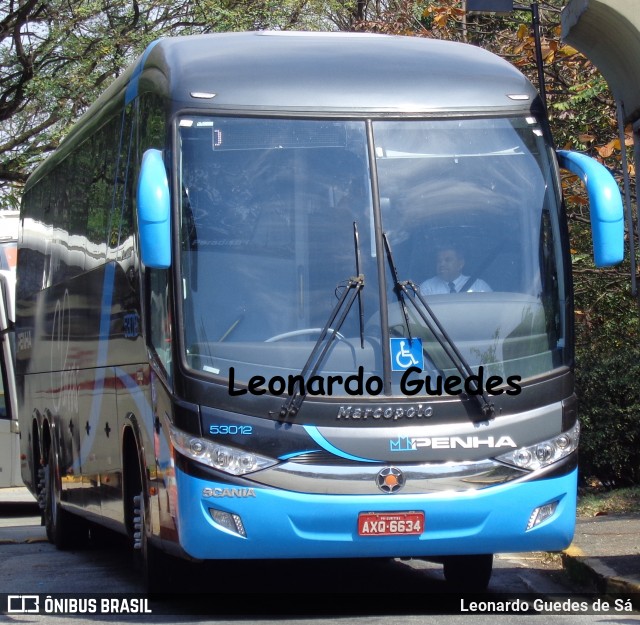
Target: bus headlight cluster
545	453
222	457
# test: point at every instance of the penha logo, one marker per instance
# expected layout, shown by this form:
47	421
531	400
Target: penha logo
403	443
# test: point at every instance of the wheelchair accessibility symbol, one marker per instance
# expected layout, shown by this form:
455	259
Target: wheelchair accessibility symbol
406	353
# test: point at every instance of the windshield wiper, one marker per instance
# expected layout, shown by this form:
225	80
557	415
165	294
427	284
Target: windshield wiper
356	244
353	290
396	283
412	291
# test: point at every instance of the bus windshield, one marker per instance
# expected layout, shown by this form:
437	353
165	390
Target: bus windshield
267	245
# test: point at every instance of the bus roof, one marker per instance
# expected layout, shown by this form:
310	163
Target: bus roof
324	73
333	73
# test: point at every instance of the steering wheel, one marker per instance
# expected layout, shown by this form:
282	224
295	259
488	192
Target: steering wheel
303	332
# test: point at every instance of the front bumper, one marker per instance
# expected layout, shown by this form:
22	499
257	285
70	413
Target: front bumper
286	524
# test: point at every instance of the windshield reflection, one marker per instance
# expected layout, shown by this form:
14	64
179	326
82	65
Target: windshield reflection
471	214
267	248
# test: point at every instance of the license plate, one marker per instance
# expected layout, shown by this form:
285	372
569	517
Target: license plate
390	523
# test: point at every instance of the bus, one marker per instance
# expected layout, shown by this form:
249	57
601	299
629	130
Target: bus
224	347
9	443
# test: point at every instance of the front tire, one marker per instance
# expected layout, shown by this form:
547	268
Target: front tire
155	566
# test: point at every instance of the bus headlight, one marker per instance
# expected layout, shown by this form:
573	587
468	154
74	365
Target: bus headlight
545	453
222	457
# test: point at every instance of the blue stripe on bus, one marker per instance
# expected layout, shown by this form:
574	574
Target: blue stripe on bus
101	364
136	394
299	453
282	524
132	88
315	434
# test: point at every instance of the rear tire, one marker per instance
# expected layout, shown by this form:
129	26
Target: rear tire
468	573
64	530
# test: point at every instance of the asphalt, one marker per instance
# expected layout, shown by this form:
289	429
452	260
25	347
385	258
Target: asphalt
604	556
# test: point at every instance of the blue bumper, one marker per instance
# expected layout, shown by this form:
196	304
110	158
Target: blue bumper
282	524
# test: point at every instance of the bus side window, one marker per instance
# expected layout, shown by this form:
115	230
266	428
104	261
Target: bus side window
160	318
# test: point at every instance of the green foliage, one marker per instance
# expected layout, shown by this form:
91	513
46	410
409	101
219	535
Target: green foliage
608	387
582	95
597	500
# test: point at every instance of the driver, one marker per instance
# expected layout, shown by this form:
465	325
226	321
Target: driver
449	278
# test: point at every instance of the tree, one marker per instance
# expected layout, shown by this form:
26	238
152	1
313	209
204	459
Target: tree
56	57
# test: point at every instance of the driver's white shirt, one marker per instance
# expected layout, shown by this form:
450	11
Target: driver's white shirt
437	286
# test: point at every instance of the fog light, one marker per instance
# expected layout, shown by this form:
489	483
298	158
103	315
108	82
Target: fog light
230	522
541	513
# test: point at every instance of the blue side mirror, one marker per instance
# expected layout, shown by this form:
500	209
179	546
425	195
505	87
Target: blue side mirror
154	211
605	205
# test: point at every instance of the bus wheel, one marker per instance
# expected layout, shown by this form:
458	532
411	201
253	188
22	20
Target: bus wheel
154	564
64	530
468	573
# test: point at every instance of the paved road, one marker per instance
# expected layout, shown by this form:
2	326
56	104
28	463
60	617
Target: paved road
296	592
28	563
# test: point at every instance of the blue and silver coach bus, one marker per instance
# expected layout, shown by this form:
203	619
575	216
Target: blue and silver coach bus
228	343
